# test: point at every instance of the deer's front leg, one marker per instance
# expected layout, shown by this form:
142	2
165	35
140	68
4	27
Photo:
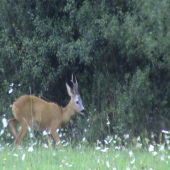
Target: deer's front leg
56	137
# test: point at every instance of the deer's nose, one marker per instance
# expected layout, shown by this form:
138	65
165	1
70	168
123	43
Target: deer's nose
82	111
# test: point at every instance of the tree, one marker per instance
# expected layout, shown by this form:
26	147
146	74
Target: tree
118	50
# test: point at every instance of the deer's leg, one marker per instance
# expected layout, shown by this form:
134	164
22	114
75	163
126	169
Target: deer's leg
12	123
56	137
21	135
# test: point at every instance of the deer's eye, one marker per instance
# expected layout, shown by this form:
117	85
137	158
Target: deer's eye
77	102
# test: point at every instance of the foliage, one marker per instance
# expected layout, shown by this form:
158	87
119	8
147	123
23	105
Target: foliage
119	50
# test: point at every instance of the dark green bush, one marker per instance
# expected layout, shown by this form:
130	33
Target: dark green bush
118	50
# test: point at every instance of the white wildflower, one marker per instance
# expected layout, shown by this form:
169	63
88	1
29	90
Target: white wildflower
108	123
46	133
98	142
8	134
12	84
105	141
138	138
98	160
2	132
167	141
10	91
65	144
130	153
126	136
161	148
84	139
104	150
154	153
15	154
109	139
5	122
107	163
23	157
85	130
29	129
138	145
133	161
162	158
97	148
45	145
167	136
58	143
19	147
165	132
168	147
31	135
63	141
151	148
117	147
30	149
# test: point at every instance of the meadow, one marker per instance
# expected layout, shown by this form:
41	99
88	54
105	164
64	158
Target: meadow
114	153
83	158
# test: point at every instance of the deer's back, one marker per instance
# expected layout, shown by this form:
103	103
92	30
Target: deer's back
35	110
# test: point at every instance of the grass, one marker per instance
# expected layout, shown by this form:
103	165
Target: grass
84	158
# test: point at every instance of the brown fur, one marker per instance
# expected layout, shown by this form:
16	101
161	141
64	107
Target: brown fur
33	112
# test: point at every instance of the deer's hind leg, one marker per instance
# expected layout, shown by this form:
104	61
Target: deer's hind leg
12	123
22	133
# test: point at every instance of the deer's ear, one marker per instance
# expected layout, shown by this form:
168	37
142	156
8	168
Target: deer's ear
69	90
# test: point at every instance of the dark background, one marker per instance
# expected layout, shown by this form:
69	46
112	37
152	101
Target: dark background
119	51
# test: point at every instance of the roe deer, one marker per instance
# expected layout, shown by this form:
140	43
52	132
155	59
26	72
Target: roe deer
32	112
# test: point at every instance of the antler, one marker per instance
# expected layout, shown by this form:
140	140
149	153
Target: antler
75	86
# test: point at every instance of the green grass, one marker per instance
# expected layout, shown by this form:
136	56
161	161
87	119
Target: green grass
84	158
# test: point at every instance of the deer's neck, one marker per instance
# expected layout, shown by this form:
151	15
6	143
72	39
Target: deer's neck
67	113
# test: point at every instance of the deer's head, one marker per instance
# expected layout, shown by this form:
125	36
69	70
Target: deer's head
75	97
